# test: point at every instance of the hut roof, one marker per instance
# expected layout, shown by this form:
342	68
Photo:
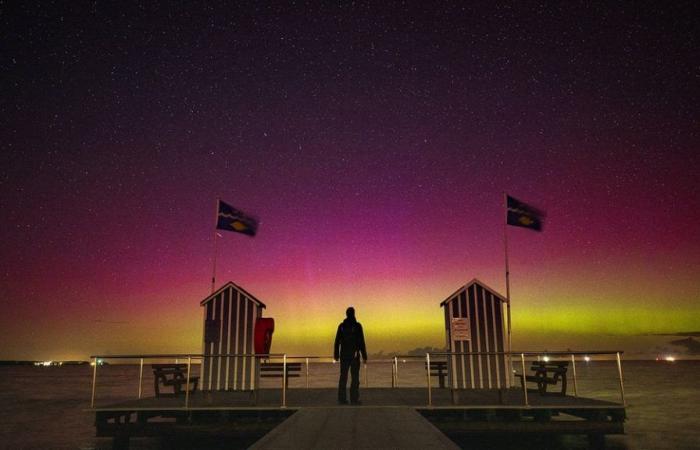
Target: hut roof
233	285
468	285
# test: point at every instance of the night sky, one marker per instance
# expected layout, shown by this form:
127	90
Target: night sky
374	143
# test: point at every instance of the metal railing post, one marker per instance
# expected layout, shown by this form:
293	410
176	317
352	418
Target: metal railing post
187	386
284	380
622	384
307	373
573	368
366	376
396	370
427	370
522	363
140	378
94	381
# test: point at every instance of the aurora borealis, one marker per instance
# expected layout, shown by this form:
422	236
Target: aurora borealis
374	143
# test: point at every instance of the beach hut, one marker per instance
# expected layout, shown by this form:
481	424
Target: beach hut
474	322
230	314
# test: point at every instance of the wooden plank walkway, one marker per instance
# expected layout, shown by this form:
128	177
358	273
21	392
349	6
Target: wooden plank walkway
387	418
350	427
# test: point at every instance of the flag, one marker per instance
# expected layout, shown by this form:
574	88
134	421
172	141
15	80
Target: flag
231	219
523	215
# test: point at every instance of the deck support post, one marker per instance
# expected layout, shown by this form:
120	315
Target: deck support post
522	363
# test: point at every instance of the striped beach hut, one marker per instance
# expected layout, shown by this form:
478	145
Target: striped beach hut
474	322
230	314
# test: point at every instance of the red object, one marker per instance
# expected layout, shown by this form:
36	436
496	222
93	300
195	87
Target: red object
264	327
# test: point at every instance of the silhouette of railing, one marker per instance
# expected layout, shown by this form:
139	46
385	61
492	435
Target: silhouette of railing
97	360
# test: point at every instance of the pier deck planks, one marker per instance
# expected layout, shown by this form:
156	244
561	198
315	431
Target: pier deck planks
355	428
391	412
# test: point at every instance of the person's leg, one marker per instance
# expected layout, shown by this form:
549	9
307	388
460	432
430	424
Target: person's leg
355	380
343	381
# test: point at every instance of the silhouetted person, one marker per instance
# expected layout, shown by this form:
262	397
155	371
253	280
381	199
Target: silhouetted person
349	345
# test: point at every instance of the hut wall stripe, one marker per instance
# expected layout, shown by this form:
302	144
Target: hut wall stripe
245	348
481	337
459	368
464	301
228	339
455	346
234	336
246	345
220	301
211	347
450	340
220	314
241	344
474	304
486	329
204	345
495	340
494	323
225	337
492	342
250	346
507	370
488	319
217	347
460	313
239	340
212	359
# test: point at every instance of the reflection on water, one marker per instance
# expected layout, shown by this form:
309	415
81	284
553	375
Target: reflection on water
44	407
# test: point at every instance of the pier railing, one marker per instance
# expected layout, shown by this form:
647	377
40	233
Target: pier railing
516	362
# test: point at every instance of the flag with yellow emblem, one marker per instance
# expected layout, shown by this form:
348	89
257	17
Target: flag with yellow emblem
523	215
232	219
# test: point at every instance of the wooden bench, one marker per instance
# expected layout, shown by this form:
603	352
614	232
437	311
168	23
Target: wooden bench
174	375
546	373
275	370
438	369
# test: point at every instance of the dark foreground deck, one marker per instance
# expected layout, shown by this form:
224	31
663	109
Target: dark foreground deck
467	411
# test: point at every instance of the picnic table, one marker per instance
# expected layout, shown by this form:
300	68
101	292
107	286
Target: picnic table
546	373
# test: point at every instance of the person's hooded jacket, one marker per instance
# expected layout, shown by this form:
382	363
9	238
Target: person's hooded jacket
349	340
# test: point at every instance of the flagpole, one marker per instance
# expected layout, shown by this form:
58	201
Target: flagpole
213	275
505	243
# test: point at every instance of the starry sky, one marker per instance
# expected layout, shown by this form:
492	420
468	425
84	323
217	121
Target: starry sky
373	142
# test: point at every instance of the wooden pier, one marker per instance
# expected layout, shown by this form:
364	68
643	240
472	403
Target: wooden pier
395	415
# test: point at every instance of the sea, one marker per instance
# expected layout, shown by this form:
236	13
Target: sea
48	407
